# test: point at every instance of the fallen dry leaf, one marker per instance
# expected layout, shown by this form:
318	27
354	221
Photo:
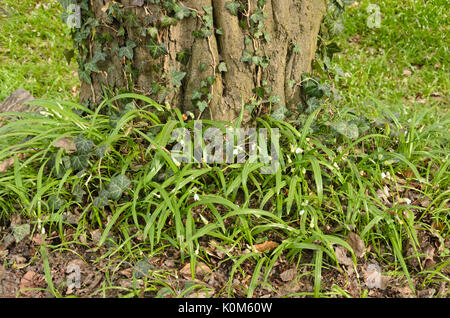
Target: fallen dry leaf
266	246
5	164
201	269
341	255
30	280
357	244
67	144
288	275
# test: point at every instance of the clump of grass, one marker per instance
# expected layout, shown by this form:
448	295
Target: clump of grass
124	182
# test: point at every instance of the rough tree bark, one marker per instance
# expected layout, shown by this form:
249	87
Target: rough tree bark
203	56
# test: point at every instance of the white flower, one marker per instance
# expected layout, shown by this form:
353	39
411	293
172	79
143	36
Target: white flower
301	212
298	150
196	197
408	201
385	175
235	151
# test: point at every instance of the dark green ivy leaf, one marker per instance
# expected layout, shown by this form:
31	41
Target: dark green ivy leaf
83	145
127	50
118	184
177	77
55	203
68	54
79	162
102	199
280	113
232	7
183	56
157	50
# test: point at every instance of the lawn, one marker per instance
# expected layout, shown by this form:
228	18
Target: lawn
359	207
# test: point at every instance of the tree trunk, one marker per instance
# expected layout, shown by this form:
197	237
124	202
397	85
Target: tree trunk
208	57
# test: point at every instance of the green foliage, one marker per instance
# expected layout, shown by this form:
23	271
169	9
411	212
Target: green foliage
177	77
157	49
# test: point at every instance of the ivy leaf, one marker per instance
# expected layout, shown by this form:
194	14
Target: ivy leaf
211	80
337	26
118	184
68	54
78	193
91	67
83	145
85	76
177	77
196	95
21	231
157	50
79	162
246	57
311	88
313	103
184	56
167	21
223	67
102	199
100	151
55	203
127	50
152	31
202	105
280	113
181	12
346	129
98	56
232	7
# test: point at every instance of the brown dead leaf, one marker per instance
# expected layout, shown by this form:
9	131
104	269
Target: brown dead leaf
38	239
429	257
30	280
201	270
341	255
96	235
437	225
128	272
266	246
5	164
426	293
357	244
66	143
288	275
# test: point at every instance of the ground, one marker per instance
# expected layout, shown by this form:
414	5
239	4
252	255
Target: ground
349	216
